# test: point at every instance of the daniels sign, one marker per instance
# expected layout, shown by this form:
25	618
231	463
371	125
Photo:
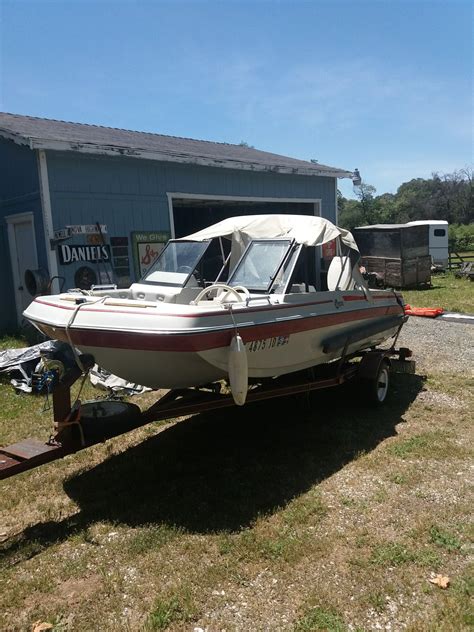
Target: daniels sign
93	254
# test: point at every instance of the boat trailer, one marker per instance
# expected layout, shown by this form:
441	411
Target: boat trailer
75	430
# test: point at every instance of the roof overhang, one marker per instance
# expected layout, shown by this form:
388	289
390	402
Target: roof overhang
162	156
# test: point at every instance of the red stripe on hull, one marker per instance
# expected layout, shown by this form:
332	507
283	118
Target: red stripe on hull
147	341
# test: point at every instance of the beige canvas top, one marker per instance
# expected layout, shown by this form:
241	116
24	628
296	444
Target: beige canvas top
304	229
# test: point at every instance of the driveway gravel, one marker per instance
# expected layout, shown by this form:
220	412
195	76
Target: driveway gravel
439	345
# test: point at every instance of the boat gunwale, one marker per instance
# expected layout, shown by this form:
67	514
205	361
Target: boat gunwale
223	311
250	331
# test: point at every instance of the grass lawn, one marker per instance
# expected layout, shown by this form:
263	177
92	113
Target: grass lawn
306	513
454	295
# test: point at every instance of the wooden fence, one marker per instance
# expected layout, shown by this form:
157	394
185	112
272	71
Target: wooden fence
456	260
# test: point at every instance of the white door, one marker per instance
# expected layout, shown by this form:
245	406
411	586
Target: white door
21	238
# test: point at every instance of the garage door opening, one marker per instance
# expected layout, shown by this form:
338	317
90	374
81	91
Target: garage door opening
191	213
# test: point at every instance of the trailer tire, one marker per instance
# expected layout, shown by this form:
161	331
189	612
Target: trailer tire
376	388
106	418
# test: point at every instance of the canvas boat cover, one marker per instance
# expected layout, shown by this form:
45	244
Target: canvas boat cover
304	229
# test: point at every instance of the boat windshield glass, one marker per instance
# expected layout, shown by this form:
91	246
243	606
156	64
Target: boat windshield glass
260	264
176	263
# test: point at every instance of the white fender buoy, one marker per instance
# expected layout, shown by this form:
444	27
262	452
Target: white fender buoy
238	370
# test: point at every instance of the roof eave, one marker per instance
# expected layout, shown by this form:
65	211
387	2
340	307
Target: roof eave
19	139
114	150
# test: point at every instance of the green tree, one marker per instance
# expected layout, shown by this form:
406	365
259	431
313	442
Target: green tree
443	196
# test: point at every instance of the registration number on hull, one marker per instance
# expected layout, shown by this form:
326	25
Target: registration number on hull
267	343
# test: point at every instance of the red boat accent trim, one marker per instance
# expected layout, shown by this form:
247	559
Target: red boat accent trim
195	342
377	297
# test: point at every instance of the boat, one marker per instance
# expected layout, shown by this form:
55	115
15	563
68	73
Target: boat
245	299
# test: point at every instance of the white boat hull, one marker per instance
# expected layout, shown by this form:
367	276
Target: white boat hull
175	346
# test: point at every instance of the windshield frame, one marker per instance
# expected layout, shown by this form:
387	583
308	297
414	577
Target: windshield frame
162	253
287	252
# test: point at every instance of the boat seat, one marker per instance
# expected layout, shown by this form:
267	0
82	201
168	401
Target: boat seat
186	295
300	288
340	274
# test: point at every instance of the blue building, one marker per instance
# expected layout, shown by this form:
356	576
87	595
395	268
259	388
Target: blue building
84	204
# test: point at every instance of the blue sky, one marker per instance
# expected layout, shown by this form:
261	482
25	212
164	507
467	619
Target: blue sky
385	86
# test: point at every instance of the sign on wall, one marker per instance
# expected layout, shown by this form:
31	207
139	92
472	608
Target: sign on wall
146	246
80	229
94	254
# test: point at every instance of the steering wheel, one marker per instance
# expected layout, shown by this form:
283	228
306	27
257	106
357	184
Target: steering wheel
228	290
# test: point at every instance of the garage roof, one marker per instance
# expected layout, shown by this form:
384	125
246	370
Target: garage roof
41	133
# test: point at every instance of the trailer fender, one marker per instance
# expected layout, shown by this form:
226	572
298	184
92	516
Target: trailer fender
369	366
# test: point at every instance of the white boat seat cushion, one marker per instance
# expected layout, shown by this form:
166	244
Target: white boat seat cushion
340	274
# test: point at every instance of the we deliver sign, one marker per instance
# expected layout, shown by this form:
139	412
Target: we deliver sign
92	254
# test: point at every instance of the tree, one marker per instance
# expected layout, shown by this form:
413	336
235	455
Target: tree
365	210
443	196
455	195
243	143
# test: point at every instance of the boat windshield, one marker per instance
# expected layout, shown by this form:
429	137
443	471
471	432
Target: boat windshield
260	264
176	263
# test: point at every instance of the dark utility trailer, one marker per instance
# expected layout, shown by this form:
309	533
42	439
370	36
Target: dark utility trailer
395	255
78	426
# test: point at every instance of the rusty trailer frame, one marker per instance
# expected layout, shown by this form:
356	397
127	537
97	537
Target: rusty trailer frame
68	436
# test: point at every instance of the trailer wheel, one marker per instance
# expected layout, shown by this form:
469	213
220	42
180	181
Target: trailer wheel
104	418
376	388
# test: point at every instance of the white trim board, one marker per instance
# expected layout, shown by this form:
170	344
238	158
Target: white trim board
47	219
317	202
242	198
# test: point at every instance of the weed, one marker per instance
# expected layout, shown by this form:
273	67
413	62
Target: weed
318	618
380	495
398	479
225	544
149	538
171	610
407	447
378	601
433	444
444	539
285	545
304	511
348	502
391	554
396	554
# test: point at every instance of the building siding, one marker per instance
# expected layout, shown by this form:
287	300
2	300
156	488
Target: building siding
126	194
130	194
19	193
99	180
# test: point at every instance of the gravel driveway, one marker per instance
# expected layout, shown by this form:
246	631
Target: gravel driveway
438	345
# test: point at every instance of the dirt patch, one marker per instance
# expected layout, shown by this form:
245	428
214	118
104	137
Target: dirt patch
71	592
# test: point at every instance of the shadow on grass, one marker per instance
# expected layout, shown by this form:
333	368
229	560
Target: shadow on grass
217	471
